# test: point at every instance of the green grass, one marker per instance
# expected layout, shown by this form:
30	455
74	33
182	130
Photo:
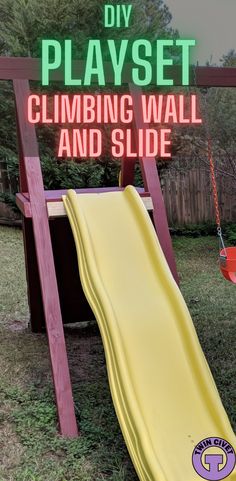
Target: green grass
30	447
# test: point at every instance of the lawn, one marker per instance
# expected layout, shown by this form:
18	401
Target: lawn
30	447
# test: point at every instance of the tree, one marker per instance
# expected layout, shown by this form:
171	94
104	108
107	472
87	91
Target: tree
229	60
23	23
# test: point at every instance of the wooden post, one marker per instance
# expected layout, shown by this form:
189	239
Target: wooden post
152	185
127	172
49	290
37	321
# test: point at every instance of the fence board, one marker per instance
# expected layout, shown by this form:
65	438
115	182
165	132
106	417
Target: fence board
189	200
187	195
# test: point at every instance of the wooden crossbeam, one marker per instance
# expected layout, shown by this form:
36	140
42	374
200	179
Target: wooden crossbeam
57	209
30	69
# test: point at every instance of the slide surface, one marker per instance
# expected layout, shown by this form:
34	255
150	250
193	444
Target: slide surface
163	392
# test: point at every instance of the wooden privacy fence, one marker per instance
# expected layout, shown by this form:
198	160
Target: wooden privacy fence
188	197
4	180
7	214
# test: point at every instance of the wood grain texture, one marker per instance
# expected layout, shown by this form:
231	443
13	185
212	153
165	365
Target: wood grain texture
127	172
57	209
23	205
23	200
188	197
56	195
37	318
30	68
47	274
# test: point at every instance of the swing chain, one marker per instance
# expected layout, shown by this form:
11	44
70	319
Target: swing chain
212	169
216	202
214	186
221	242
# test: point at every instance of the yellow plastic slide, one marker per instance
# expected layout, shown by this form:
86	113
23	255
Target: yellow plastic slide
163	391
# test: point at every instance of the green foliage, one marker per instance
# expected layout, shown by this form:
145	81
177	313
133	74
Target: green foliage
230	232
69	175
218	112
8	142
195	230
229	60
9	199
206	229
24	22
221	106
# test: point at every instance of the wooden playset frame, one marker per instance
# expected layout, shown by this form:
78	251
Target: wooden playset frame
46	229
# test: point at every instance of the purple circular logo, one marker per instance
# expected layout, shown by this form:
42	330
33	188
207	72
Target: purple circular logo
214	467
